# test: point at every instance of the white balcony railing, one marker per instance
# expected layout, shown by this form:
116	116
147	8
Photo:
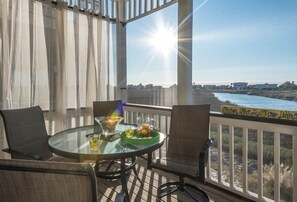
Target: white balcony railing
249	171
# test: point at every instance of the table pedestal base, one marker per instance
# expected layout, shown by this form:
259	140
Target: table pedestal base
121	173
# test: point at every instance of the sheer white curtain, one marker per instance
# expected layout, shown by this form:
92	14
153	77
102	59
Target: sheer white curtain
56	58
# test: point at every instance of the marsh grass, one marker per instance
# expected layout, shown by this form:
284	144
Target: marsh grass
286	182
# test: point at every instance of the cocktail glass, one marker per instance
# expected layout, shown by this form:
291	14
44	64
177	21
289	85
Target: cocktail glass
108	124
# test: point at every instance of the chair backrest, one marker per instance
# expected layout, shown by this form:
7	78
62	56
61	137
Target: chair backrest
26	132
23	180
107	108
189	131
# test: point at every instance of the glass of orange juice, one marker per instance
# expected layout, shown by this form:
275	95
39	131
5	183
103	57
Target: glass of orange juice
94	141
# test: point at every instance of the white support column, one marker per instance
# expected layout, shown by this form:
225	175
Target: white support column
121	92
184	61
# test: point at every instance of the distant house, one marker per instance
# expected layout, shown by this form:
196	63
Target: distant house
195	86
239	85
223	87
140	86
209	86
288	85
265	86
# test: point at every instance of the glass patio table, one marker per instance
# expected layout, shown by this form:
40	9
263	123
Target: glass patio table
74	143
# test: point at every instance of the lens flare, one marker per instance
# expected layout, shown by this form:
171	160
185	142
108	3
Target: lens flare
164	40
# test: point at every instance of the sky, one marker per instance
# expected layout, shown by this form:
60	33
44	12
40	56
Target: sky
252	41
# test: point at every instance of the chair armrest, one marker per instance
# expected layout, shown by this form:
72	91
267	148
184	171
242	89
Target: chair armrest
26	155
202	160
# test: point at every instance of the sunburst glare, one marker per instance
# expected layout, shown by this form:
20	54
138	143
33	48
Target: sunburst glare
164	40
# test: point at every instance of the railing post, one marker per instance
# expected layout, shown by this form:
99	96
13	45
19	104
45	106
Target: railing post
260	163
93	7
135	9
145	6
245	159
139	7
112	3
294	168
101	7
276	166
106	9
130	9
231	155
220	153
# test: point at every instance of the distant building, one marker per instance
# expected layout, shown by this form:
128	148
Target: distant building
265	86
149	86
140	86
195	86
130	86
209	86
152	95
158	87
239	85
223	86
288	85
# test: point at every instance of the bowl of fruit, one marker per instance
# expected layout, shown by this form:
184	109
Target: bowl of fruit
142	135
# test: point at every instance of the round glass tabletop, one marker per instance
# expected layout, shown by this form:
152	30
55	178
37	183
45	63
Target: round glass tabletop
74	143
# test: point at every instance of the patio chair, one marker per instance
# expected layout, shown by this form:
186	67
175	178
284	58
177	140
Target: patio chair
187	147
30	180
26	135
108	108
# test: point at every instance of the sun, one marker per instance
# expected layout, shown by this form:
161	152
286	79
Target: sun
164	40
